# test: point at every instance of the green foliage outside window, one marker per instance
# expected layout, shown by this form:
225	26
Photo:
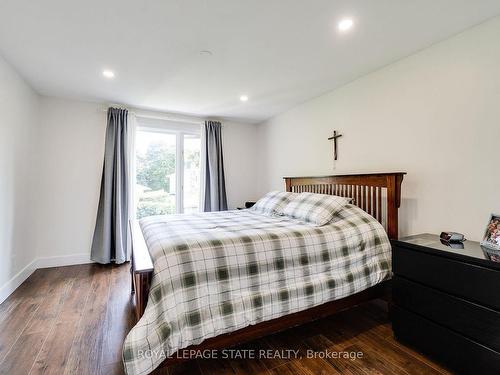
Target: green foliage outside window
155	173
155	165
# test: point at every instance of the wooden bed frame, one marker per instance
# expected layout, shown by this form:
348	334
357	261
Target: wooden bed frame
379	194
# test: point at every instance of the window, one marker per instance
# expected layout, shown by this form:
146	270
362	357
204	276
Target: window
192	146
167	169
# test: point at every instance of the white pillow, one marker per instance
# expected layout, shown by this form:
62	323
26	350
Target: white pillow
273	203
316	209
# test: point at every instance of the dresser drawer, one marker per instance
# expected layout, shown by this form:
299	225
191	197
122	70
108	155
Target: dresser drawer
469	319
471	282
458	352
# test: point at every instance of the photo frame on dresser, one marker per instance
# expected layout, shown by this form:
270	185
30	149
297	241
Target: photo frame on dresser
490	254
491	239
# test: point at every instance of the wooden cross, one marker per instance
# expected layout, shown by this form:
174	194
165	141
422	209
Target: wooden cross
334	137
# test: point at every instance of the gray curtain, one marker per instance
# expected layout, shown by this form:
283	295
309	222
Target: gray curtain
111	230
214	184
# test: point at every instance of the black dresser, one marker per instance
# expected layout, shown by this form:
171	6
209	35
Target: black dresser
446	302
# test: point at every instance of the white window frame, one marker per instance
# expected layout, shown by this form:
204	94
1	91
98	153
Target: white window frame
179	130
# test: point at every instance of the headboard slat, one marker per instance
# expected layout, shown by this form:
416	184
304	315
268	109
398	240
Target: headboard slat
367	190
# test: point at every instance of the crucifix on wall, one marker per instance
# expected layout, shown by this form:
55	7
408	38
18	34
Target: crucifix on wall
334	138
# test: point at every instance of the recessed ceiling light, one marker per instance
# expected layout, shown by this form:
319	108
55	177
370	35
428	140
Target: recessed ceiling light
345	24
108	73
244	98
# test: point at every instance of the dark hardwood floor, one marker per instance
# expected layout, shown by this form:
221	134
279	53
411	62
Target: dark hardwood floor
73	320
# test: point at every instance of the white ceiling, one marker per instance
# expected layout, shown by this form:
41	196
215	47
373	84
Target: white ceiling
278	52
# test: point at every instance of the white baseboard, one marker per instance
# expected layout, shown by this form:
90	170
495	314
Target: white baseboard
63	260
58	261
10	286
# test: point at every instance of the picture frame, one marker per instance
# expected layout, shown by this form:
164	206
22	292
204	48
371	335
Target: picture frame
491	238
491	255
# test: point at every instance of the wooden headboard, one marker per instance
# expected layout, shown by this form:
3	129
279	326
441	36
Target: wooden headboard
379	194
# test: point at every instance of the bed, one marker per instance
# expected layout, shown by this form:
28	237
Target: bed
214	280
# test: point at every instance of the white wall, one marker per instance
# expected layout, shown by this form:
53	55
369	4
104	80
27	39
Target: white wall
435	115
71	155
71	149
18	129
241	147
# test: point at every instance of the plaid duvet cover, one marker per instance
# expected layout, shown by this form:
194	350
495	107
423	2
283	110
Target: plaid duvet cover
218	272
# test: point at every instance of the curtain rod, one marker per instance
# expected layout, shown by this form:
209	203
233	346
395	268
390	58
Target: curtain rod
165	117
168	118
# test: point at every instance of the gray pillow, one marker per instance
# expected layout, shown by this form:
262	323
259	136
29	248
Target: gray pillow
316	209
273	203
